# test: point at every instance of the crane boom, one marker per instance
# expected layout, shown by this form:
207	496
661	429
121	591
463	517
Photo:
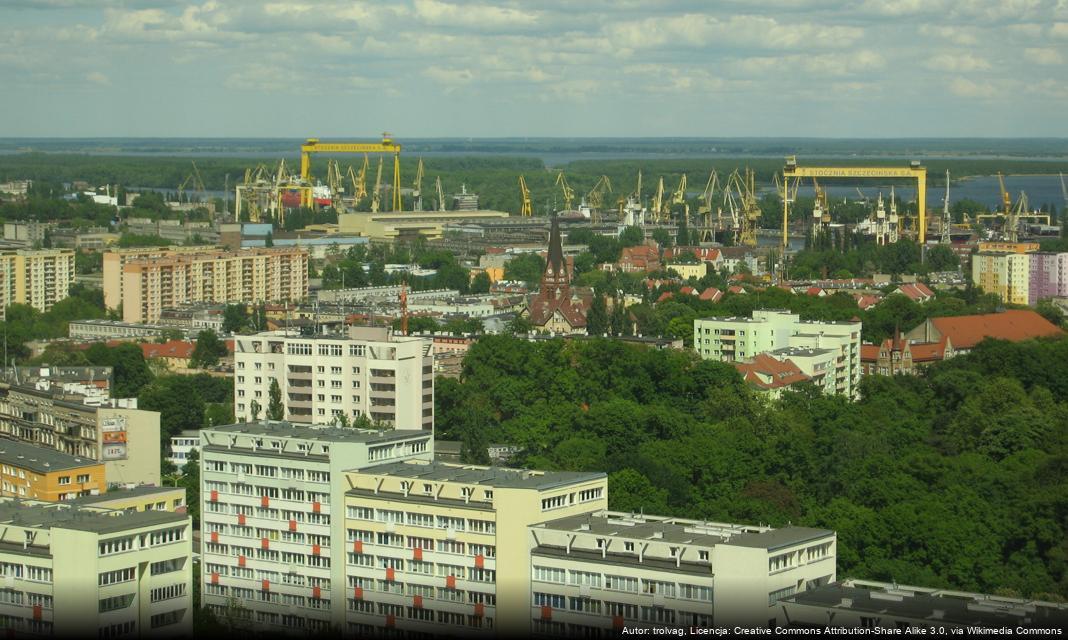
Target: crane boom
314	145
417	188
441	195
375	196
568	192
527	208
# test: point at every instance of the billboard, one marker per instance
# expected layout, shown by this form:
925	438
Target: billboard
113	438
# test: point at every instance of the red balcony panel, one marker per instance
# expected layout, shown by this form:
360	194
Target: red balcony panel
292	525
266	585
480	561
450	582
617	622
417	554
317	593
316	550
214	496
358	593
240	561
215	537
36	612
214	578
316	507
241	519
391	620
546	613
480	609
265	543
357	547
417	602
391	575
265	502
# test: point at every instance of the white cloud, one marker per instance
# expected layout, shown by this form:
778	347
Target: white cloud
450	77
956	62
704	31
475	16
1059	30
98	78
969	89
1045	56
955	35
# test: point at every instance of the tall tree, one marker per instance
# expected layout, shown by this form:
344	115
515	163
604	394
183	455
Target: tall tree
235	318
597	317
275	409
209	349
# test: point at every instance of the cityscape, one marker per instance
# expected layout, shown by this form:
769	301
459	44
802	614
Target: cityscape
650	319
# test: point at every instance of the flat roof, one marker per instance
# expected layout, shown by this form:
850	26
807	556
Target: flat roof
683	531
122	494
58	515
945	606
801	351
491	476
39	459
284	429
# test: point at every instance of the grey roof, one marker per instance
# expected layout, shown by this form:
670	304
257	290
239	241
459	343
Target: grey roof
64	516
801	351
489	476
283	429
947	607
39	459
120	494
682	531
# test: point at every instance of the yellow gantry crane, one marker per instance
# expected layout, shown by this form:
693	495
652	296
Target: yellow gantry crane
708	232
568	192
679	197
314	145
527	208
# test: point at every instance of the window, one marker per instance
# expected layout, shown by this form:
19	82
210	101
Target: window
779	594
482	526
165	619
167	593
115	577
657	587
548	600
116	545
553	503
83	478
551	574
64	480
420	519
590	494
166	566
585	578
695	592
621	583
115	603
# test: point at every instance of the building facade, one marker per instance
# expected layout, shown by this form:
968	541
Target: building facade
73	571
38	473
597	573
144	282
1007	275
38	278
557	308
741	339
367	372
125	440
1048	276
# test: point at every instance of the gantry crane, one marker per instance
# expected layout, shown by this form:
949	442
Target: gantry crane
334	181
679	197
1064	191
314	145
527	208
568	192
417	188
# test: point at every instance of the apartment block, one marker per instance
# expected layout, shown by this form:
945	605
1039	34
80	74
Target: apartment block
39	473
368	371
594	574
115	261
273	499
125	441
1048	276
73	571
741	339
436	549
151	282
1006	275
38	278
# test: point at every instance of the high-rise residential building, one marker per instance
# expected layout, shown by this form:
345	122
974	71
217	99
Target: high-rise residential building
595	573
75	570
155	281
273	517
38	278
39	473
768	330
368	371
1004	274
125	440
115	260
1048	276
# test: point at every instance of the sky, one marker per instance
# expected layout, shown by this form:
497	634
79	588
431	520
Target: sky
589	68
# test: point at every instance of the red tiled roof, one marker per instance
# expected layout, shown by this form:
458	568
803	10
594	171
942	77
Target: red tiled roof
712	294
667	295
929	351
1014	325
169	349
866	302
736	289
869	352
917	292
783	373
688	290
814	291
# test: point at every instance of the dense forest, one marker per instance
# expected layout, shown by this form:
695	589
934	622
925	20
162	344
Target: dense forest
956	478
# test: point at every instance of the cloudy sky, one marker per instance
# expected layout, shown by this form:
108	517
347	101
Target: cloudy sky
419	68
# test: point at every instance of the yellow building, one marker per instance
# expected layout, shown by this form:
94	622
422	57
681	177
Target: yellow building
151	284
39	473
1009	247
35	278
687	271
407	224
115	260
82	571
1006	275
140	498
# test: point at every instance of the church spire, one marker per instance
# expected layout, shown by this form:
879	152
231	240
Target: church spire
555	263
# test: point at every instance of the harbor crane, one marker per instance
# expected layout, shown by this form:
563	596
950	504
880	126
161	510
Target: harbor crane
441	195
527	208
658	201
376	194
595	197
568	192
314	145
787	190
417	188
947	219
194	180
745	208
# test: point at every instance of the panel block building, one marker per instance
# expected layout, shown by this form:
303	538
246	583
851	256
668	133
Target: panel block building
367	372
38	278
72	571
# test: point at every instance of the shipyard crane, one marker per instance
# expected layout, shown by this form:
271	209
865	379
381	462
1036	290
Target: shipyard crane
314	145
527	208
441	195
706	195
787	191
417	187
568	192
658	201
194	180
375	195
595	197
334	181
748	211
1064	191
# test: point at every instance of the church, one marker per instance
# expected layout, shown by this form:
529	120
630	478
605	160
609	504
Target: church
557	307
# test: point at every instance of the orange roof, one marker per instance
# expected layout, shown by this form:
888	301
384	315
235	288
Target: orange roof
917	292
1014	325
736	289
866	302
814	291
928	351
712	294
169	349
667	295
688	290
869	352
779	373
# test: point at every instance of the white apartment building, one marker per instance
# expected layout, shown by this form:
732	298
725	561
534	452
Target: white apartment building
740	339
594	574
82	570
367	372
273	522
182	445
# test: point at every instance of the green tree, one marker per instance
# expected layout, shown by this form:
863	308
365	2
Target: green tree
1050	311
208	350
180	405
480	283
190	481
275	409
235	318
526	267
632	237
597	317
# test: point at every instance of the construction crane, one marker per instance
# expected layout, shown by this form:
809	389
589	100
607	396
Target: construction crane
568	192
194	180
658	201
708	232
527	208
417	187
595	197
314	145
441	195
375	195
334	181
748	212
404	308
